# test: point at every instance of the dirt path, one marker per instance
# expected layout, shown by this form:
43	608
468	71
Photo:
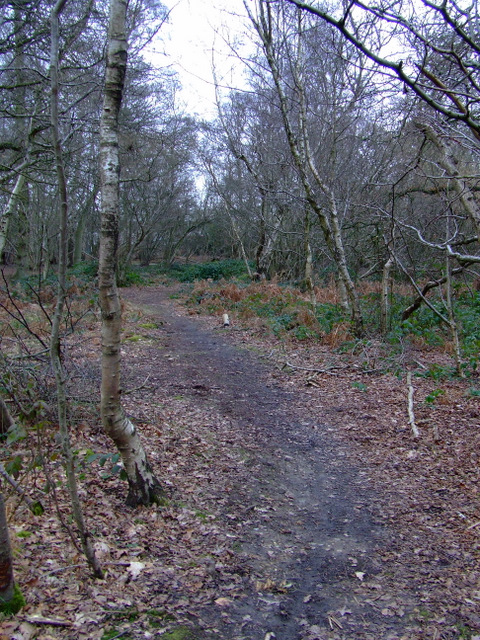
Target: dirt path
308	536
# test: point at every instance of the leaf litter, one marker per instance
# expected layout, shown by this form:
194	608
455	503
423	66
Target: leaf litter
296	510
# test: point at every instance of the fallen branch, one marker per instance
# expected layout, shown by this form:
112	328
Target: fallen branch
52	622
142	386
289	365
411	414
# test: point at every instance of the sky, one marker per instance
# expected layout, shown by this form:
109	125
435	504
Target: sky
196	29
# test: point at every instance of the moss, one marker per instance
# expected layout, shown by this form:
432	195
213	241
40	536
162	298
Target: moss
14	605
114	633
179	633
134	338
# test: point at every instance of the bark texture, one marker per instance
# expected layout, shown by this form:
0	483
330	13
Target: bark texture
144	488
6	569
6	420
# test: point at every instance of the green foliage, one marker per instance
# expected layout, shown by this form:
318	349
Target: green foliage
14	465
85	271
432	397
158	617
328	316
214	270
13	606
134	276
114	466
439	372
468	315
359	385
149	275
465	632
114	633
133	338
16	433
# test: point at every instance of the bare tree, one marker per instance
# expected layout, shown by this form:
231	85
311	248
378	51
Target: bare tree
144	488
299	142
439	44
55	342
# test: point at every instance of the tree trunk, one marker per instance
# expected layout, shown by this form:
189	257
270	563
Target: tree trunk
385	306
448	162
303	158
144	488
6	420
55	342
11	205
6	567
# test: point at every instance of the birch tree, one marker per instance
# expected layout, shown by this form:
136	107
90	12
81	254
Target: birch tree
144	488
299	142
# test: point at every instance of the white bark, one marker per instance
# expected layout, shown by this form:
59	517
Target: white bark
144	488
305	164
385	303
13	201
448	163
411	414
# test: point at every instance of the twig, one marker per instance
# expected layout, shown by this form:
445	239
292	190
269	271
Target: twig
33	506
31	355
53	622
293	366
142	386
20	317
76	566
333	622
411	415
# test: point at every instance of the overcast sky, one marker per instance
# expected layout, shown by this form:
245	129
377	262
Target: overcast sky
195	30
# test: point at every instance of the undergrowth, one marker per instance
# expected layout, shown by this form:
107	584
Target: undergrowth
287	313
216	270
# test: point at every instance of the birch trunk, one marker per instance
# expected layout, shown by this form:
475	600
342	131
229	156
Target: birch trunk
448	162
451	316
385	306
12	204
305	164
144	488
308	255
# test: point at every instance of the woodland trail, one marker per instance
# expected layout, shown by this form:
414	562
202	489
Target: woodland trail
309	538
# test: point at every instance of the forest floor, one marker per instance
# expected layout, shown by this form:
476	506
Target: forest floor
301	506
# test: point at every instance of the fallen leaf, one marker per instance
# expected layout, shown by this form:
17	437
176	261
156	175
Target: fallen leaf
134	569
